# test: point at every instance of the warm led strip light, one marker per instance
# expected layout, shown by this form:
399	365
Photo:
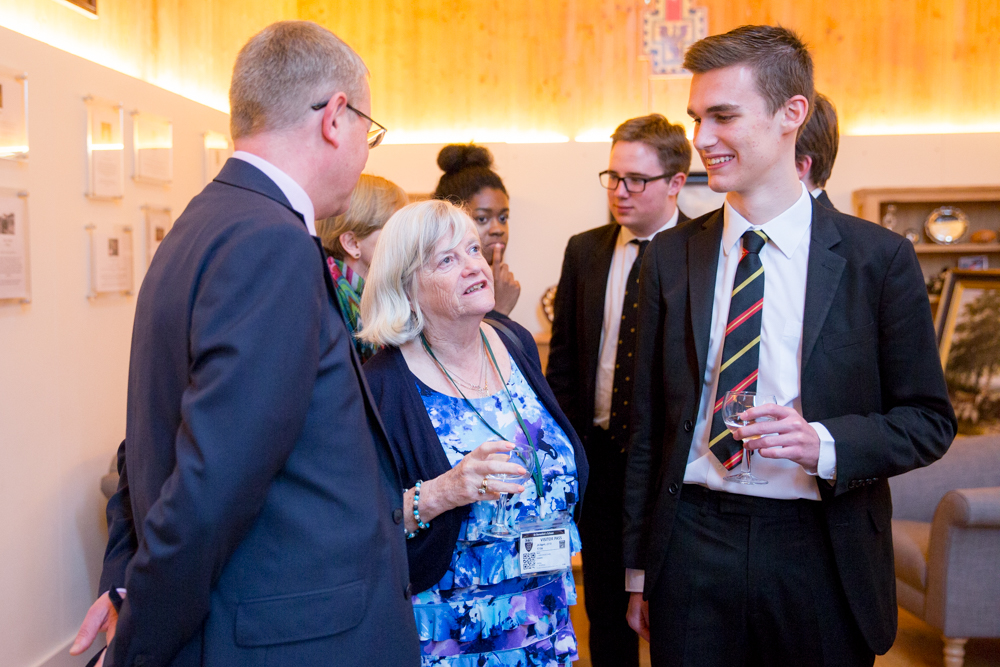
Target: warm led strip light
474	136
926	128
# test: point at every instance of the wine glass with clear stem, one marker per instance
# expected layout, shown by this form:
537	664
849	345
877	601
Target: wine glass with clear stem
734	405
523	455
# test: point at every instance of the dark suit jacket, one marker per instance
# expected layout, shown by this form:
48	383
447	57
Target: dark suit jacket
257	488
824	199
579	318
870	373
418	450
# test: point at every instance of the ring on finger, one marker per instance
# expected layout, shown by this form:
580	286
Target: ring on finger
484	488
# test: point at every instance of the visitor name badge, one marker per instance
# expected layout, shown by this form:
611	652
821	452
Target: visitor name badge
543	551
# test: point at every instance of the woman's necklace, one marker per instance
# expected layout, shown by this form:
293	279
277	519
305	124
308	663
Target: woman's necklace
484	380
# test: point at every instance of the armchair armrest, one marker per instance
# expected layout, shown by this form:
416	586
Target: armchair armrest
962	586
970	508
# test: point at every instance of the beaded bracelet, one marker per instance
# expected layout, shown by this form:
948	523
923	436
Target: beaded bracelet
416	512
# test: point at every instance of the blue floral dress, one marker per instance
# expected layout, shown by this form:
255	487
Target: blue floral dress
482	613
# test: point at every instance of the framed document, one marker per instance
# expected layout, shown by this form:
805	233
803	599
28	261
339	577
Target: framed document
105	150
152	149
110	260
158	223
15	276
217	151
13	115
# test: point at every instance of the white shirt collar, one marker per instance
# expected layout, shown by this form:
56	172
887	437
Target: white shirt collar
297	197
626	235
816	193
786	230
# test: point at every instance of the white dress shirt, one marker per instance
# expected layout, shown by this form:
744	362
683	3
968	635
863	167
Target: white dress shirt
297	197
614	299
785	258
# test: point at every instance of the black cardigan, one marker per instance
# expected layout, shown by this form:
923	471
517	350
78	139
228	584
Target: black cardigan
419	454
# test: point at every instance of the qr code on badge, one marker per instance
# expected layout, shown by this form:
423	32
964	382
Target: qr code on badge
527	561
562	544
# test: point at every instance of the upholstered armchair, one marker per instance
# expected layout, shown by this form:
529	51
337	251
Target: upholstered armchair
946	538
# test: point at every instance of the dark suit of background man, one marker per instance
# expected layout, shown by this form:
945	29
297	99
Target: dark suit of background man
798	571
591	358
258	512
816	149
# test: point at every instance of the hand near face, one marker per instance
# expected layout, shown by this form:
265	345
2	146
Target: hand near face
789	436
506	289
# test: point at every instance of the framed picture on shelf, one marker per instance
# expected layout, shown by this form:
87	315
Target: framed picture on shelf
13	115
968	331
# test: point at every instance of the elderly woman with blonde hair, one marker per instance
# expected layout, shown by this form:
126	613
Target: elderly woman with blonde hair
459	396
350	241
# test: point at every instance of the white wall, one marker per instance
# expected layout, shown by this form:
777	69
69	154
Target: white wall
64	359
554	191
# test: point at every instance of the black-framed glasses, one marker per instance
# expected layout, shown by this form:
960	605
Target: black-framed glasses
634	184
375	135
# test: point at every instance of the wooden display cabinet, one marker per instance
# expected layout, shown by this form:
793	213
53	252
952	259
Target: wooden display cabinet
914	205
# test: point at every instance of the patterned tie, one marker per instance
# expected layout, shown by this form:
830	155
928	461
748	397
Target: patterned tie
621	392
741	350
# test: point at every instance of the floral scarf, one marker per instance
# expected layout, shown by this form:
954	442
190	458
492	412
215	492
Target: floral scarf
349	287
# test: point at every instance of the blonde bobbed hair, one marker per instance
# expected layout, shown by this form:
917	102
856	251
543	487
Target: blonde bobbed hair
389	308
373	201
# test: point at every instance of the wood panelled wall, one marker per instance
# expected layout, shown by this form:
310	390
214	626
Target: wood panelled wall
562	66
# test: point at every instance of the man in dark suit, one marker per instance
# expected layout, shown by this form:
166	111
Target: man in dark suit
258	517
591	354
816	149
797	571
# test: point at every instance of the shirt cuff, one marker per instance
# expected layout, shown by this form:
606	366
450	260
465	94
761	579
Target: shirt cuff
634	580
827	466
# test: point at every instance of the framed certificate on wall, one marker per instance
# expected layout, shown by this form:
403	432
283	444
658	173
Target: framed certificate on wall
105	150
158	223
15	275
110	260
13	115
152	149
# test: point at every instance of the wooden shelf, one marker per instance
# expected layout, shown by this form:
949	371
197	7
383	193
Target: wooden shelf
958	248
913	205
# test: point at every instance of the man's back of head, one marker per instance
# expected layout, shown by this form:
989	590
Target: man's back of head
285	69
818	141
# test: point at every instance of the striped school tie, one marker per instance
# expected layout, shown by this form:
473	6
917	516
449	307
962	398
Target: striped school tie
741	349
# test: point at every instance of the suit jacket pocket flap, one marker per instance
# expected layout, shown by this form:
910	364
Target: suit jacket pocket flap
838	339
301	616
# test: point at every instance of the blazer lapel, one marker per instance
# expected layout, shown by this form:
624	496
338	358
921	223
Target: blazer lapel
594	290
703	263
822	279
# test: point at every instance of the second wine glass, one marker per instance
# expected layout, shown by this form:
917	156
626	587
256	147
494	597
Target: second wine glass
734	405
522	455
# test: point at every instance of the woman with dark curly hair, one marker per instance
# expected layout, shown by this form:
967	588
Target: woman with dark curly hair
470	182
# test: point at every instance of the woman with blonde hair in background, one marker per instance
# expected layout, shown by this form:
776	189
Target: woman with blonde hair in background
350	239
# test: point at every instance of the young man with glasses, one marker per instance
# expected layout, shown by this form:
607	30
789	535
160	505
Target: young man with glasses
591	354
